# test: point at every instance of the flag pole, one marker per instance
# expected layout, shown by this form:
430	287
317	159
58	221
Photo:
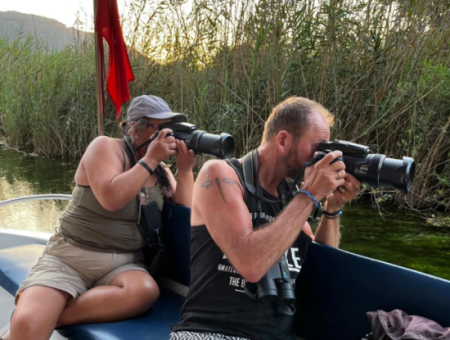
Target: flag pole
99	71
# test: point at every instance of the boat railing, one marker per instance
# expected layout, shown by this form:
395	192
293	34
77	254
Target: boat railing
60	197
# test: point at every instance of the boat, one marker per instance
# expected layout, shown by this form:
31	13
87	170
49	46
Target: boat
334	291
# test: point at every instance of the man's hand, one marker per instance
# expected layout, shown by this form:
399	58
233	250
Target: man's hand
343	194
325	176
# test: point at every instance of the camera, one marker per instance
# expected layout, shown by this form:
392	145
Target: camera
373	169
275	285
201	142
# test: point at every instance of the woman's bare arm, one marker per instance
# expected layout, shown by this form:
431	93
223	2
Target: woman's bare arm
104	171
111	186
185	178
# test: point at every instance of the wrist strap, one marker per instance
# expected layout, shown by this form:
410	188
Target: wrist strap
339	212
150	171
333	215
316	204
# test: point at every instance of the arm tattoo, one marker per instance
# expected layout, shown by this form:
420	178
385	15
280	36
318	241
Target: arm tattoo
228	181
220	189
206	184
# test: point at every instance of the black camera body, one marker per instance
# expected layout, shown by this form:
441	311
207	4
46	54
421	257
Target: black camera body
375	170
201	142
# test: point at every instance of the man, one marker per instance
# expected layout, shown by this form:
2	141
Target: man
234	241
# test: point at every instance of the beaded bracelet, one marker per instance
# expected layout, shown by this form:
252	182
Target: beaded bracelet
316	204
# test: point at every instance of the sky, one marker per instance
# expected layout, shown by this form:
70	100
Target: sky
65	11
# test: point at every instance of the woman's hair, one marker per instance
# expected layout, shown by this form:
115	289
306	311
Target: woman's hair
141	124
128	129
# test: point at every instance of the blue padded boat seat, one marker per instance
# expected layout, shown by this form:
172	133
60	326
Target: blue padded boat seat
180	236
153	325
336	288
16	263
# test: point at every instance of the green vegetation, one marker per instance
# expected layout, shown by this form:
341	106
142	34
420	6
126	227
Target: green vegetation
382	67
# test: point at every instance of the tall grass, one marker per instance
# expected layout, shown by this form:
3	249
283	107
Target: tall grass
382	67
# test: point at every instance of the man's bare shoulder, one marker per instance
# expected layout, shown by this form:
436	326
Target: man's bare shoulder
218	169
215	166
217	188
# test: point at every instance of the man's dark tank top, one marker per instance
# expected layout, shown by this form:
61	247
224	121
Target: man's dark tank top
217	302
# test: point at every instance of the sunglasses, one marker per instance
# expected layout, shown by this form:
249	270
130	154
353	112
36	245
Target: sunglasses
156	126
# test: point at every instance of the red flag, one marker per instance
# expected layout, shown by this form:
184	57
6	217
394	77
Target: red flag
107	25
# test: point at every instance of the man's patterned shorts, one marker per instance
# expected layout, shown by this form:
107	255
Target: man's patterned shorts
184	335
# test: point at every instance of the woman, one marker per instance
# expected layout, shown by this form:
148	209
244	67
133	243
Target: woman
91	268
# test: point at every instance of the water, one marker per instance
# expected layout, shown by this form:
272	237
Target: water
399	238
23	174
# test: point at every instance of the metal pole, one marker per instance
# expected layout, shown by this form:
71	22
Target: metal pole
62	197
99	70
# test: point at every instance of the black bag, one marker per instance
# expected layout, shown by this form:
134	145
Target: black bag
155	231
150	222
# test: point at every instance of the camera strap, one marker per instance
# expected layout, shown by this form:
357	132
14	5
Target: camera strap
147	142
250	167
128	146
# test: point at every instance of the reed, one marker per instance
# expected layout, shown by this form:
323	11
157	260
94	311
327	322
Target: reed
382	67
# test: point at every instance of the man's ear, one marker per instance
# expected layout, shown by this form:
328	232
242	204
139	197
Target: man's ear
284	142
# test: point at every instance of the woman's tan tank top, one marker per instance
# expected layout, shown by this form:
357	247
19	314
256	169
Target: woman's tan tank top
86	224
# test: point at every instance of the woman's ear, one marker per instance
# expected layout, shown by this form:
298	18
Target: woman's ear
284	142
131	129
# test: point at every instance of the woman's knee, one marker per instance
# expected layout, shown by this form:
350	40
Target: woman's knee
24	319
37	311
139	288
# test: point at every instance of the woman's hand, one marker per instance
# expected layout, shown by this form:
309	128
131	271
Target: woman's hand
185	157
161	147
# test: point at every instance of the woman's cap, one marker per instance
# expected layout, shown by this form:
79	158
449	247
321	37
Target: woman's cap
152	107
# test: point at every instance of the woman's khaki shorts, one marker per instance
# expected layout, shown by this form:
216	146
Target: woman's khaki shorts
74	270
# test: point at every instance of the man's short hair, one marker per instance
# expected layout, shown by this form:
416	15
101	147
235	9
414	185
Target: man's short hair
292	115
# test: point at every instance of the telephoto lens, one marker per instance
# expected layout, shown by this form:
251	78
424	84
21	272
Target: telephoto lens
202	142
373	169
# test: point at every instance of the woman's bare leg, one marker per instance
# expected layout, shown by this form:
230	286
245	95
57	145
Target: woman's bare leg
37	312
129	294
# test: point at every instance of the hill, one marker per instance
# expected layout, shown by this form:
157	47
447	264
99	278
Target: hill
54	34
